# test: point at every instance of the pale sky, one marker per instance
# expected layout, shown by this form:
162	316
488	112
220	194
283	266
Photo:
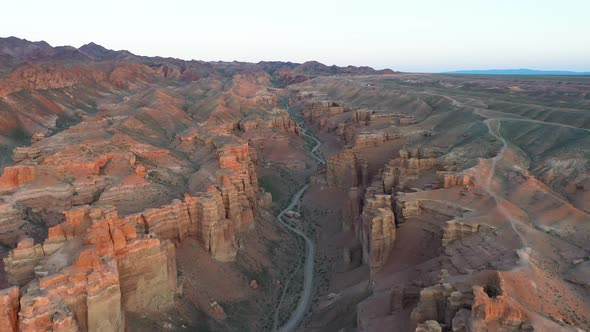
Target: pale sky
411	35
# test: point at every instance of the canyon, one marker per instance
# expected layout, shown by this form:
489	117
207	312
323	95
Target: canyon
148	194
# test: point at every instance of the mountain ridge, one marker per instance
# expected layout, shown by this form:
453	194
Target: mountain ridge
15	51
520	71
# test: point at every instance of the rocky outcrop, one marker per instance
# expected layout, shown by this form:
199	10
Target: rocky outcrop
83	297
347	169
400	172
216	311
314	109
429	326
476	308
458	229
232	192
352	210
376	224
266	96
451	180
265	200
278	119
15	176
407	208
495	311
21	262
409	205
213	218
440	303
362	115
78	219
25	152
347	133
365	139
367	116
171	221
229	207
377	236
114	271
407	120
9	309
215	232
147	273
11	220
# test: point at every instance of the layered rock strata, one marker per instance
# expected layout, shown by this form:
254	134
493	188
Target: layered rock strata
313	109
347	169
101	270
399	172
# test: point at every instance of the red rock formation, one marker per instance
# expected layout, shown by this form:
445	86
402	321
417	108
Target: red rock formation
9	309
78	219
455	180
37	77
21	262
266	96
115	272
130	74
214	231
483	309
15	176
169	222
84	296
499	310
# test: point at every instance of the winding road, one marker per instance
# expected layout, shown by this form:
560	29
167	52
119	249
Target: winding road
305	298
488	184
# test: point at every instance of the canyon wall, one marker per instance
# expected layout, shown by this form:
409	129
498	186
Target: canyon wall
102	269
346	169
113	206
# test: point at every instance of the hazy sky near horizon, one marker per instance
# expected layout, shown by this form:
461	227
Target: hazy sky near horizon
418	35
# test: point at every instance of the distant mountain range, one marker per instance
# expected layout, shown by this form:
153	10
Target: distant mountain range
16	51
518	72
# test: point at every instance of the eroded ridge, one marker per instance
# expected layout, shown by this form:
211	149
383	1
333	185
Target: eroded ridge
448	198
